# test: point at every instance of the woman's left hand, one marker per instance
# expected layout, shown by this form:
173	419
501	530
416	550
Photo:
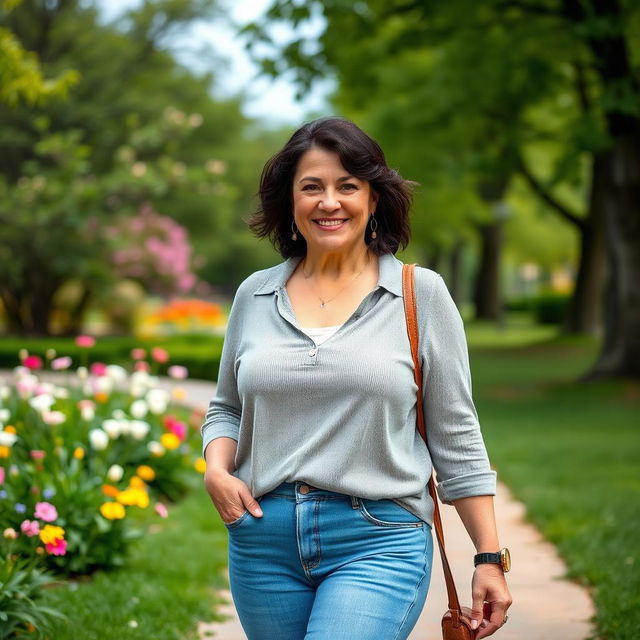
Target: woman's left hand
491	599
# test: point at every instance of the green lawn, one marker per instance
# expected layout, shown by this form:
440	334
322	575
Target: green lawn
169	584
570	452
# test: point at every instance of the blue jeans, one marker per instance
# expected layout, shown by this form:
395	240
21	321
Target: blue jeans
321	565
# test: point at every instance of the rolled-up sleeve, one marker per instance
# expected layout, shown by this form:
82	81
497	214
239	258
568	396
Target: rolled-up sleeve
223	414
454	438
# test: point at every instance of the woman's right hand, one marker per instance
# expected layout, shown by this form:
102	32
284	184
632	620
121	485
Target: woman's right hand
230	495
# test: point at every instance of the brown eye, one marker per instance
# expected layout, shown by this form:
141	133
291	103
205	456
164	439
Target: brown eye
310	187
349	186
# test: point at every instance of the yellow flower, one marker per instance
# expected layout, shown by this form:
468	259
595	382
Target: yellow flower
10	429
137	483
4	452
178	394
78	453
110	491
200	465
112	510
101	397
134	497
146	472
170	440
50	533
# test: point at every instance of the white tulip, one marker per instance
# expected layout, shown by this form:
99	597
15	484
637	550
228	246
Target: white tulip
115	473
99	439
87	413
61	392
118	414
82	373
111	427
103	384
155	448
157	399
117	373
5	391
5	414
54	417
7	439
139	409
139	429
42	402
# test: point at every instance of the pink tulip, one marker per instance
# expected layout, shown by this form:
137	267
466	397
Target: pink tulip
159	354
85	341
32	362
177	372
138	353
2	474
45	511
61	363
141	365
179	428
37	454
161	510
30	528
98	368
58	548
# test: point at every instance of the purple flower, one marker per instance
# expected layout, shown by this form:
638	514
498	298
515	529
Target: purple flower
21	508
48	493
3	494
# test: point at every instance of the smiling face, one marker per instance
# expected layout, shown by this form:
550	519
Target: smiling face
330	207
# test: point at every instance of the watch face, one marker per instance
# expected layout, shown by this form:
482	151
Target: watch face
505	559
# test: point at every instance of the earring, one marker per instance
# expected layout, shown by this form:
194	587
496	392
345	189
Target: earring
374	235
294	235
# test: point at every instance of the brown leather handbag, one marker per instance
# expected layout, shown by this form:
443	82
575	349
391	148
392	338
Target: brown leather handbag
456	622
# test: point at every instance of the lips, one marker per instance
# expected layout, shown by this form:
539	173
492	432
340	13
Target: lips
327	223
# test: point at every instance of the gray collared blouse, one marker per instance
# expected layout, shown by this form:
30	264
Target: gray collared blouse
342	415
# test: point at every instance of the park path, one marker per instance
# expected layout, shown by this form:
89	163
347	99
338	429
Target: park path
546	606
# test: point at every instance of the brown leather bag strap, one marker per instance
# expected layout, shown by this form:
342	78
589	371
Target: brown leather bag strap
409	294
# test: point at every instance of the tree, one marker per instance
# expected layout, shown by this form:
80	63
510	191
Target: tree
576	58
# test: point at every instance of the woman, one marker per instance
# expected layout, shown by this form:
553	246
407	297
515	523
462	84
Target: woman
313	458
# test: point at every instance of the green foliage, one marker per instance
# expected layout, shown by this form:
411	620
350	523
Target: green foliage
569	451
547	307
23	613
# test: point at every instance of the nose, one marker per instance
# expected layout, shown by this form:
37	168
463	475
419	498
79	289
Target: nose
329	203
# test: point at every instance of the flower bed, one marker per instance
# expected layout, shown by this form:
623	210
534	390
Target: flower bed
75	460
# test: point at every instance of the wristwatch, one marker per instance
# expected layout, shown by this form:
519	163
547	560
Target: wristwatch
502	557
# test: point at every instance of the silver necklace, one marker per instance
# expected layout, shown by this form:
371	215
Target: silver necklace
325	302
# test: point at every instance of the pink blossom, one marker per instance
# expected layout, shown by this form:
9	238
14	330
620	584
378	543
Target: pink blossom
32	362
177	372
37	454
161	510
2	474
98	368
159	354
138	353
141	365
85	341
45	511
61	363
30	528
86	404
58	548
179	428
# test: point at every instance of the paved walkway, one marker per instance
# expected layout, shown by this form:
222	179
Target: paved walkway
545	607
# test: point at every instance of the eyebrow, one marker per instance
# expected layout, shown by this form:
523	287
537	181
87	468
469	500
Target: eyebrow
314	179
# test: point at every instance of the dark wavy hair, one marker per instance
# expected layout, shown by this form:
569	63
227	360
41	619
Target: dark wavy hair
362	157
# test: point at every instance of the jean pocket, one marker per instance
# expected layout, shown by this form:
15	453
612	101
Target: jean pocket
387	513
237	521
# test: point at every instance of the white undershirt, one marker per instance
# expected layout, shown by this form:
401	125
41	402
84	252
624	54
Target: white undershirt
320	334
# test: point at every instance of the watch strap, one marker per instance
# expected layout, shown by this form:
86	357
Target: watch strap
487	558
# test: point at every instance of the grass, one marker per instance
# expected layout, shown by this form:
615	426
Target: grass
168	584
570	452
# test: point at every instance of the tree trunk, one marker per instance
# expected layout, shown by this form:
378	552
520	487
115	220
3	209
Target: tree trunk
78	312
487	294
620	354
584	313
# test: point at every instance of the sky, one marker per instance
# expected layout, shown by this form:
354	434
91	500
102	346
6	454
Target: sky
272	101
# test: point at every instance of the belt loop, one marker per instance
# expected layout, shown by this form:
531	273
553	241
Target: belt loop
355	504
